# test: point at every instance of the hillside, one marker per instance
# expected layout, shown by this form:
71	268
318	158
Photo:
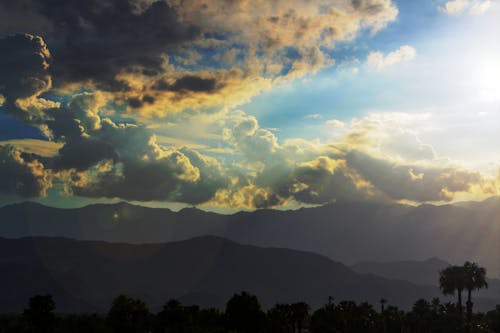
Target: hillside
425	272
86	276
346	232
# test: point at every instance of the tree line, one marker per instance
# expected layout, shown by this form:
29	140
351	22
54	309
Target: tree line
244	314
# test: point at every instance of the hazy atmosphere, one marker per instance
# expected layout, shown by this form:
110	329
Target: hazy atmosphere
298	150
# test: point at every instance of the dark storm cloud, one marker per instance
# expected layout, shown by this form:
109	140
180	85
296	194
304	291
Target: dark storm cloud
83	153
100	158
188	83
21	174
142	170
24	63
326	183
94	40
176	176
136	102
125	46
211	179
134	179
412	182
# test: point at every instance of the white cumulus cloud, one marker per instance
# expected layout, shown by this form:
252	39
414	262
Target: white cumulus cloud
473	7
378	61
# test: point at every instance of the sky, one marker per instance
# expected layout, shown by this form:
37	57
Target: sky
232	105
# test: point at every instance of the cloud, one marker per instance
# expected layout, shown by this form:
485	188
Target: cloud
22	174
100	39
335	123
98	157
391	134
113	63
413	182
168	55
315	116
378	157
327	179
455	7
24	64
257	144
473	7
174	175
377	61
187	83
101	158
245	197
41	148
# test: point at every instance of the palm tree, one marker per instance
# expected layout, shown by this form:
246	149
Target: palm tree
475	279
450	279
383	301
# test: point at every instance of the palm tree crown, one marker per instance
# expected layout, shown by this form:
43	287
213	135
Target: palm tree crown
475	276
452	279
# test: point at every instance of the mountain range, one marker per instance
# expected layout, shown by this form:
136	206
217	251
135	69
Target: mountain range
424	272
345	232
84	276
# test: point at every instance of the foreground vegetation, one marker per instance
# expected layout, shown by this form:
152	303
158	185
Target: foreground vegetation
244	314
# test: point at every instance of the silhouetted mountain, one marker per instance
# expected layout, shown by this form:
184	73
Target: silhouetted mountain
86	275
347	232
421	273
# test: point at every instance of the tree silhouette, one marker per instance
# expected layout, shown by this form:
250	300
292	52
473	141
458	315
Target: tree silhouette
492	319
393	320
346	317
300	313
244	314
128	315
475	278
40	313
452	279
323	320
280	319
383	301
175	318
211	320
421	316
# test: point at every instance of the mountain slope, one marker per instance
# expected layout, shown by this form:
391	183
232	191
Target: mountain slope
424	272
347	232
86	275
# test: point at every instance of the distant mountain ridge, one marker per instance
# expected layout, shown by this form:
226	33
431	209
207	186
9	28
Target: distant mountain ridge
84	276
346	232
425	272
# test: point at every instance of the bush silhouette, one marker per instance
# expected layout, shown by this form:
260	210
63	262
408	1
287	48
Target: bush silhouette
244	314
128	315
40	315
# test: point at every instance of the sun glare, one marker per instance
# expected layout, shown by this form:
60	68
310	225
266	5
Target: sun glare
488	81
